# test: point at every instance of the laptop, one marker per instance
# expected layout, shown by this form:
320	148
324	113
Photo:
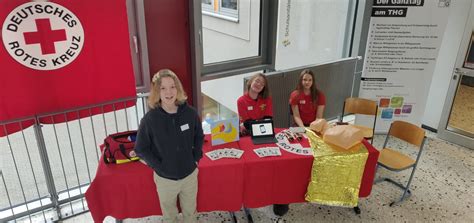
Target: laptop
262	131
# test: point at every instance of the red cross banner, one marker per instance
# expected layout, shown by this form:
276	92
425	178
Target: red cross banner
59	55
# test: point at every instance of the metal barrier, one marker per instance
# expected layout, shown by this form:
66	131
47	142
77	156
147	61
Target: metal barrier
46	169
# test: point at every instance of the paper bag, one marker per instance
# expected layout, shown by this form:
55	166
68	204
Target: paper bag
344	136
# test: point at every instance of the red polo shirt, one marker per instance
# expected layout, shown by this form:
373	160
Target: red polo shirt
305	105
254	109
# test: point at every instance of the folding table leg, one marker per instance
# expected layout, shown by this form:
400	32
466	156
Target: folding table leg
357	209
249	216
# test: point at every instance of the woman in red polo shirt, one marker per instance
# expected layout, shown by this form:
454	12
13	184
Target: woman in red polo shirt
256	103
307	102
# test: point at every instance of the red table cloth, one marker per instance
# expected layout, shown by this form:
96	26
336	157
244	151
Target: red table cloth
284	179
128	190
274	180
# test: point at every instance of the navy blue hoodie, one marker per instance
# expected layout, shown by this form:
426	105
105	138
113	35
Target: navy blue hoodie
171	144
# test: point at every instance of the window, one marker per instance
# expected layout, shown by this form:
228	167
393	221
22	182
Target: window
229	4
139	54
224	9
245	44
469	61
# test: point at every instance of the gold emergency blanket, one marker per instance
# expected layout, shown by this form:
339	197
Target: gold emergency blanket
336	174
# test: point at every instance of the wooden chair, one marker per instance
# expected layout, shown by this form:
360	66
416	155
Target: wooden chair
394	160
364	107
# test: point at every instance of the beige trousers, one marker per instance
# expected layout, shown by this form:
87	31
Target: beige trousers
169	190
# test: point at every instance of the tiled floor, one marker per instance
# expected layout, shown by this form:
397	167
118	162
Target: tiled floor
442	187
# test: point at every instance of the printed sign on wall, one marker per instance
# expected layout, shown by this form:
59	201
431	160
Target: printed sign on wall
29	36
403	43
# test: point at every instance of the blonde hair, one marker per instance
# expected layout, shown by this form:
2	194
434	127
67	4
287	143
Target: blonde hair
154	100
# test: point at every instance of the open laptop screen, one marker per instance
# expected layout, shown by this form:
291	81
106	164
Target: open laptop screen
262	129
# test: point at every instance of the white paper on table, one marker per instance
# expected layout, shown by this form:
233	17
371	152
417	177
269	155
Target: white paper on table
212	155
226	153
239	153
235	153
267	151
259	152
297	129
274	151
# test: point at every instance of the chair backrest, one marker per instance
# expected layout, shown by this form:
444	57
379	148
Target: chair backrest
407	132
291	121
360	106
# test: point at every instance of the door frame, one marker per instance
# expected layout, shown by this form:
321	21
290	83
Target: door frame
443	132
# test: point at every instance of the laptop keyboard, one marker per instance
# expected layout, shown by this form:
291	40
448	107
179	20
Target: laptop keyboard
264	140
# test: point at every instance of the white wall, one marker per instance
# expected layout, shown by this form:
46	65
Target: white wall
458	16
226	90
313	33
225	40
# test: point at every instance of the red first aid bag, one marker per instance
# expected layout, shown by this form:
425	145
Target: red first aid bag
118	148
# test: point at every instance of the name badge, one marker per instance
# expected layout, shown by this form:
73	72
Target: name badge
184	127
250	108
302	102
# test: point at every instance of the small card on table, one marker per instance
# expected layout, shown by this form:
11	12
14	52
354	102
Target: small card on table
225	153
267	151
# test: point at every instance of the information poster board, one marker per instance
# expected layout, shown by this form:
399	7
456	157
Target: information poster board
402	46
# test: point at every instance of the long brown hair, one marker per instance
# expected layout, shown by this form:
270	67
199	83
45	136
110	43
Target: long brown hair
154	100
265	93
314	90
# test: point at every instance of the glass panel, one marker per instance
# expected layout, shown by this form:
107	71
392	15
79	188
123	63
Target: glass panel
227	37
229	4
208	2
469	61
461	119
214	111
220	98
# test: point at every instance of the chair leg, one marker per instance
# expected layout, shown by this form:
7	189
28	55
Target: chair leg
406	193
406	189
232	216
401	186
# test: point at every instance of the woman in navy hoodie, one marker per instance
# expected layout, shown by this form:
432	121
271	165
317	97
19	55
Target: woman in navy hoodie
169	140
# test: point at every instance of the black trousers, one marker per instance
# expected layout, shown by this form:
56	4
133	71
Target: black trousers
281	209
